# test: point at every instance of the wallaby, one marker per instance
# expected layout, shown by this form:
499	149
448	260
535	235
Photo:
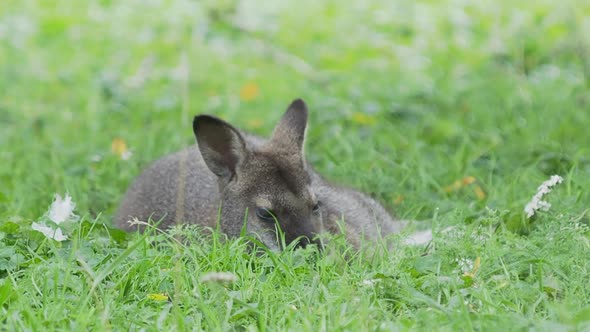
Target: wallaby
243	180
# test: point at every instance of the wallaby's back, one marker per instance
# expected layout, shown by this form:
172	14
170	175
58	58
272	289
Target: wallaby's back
178	187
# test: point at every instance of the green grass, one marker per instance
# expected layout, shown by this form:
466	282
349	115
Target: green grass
405	98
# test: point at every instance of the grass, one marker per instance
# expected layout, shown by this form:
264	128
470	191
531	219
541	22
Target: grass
451	113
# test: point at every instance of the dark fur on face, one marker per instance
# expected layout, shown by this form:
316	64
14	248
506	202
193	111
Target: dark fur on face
270	177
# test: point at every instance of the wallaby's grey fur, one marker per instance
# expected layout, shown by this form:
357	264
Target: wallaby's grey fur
266	179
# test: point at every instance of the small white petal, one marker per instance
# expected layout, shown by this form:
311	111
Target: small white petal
544	206
50	233
536	202
126	155
219	277
59	236
61	209
530	210
370	282
42	228
465	264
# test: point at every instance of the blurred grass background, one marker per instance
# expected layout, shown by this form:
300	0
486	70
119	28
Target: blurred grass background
440	109
405	97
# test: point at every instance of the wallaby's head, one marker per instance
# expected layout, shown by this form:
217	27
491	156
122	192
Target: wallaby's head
265	186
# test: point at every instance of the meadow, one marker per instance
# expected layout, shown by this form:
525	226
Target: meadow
451	113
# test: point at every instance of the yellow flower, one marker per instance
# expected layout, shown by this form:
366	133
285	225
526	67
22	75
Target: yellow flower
363	119
479	193
158	297
464	182
119	147
254	123
249	91
468	180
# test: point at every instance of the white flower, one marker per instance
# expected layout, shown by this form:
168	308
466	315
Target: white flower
464	264
219	277
96	158
50	233
61	209
536	202
370	282
126	155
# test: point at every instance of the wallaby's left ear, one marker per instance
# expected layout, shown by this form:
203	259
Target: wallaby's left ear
222	146
290	132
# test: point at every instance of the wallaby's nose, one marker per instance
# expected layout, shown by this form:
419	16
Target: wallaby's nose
304	241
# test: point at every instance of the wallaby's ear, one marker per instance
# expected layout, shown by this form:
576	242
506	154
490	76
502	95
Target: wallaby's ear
290	132
221	145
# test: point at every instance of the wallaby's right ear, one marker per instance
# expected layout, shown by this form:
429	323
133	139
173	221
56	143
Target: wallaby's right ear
221	145
290	131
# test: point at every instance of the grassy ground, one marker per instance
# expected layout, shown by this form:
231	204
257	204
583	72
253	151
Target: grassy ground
449	112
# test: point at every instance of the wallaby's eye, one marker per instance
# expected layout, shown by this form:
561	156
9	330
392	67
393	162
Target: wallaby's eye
316	207
265	215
